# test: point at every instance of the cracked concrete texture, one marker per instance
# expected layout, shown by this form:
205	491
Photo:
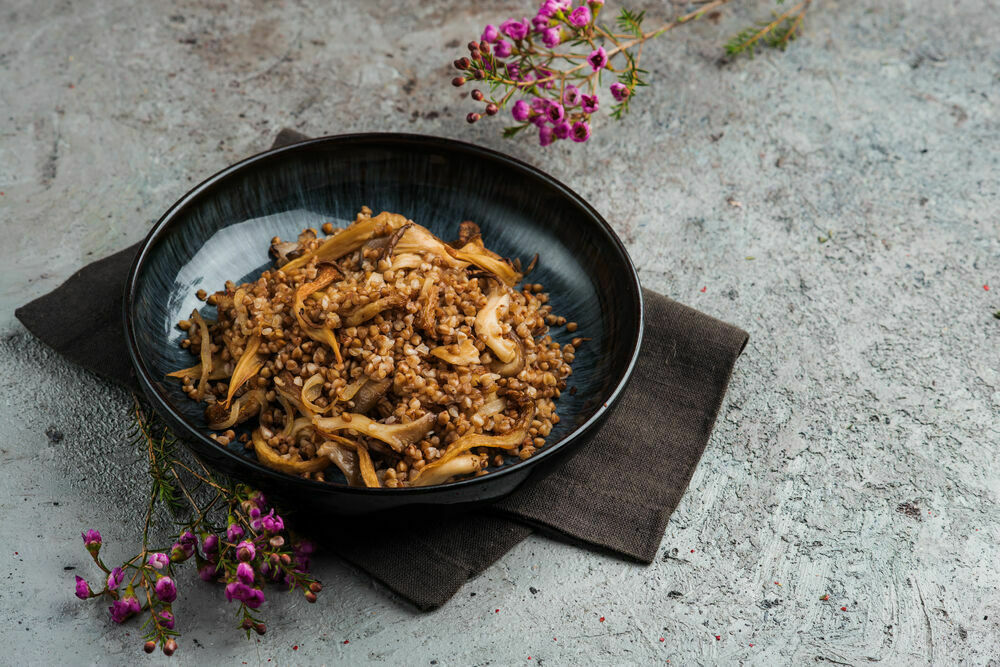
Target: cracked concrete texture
838	201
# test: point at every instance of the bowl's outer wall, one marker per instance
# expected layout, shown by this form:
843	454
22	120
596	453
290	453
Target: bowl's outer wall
221	231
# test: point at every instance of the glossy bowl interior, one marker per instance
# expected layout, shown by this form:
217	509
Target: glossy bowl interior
221	231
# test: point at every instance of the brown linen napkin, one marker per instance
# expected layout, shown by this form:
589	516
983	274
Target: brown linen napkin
614	493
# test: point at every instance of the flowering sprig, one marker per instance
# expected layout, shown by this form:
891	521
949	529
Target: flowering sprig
251	550
550	68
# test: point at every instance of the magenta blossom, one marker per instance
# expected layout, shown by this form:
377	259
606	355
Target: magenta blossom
620	91
245	551
551	37
555	112
236	591
490	34
581	131
514	71
210	543
115	578
539	104
166	589
272	523
540	23
92	540
121	610
561	130
589	103
521	111
158	560
166	619
235	532
580	16
244	573
254	598
82	588
516	30
571	96
598	59
502	49
539	120
542	73
545	135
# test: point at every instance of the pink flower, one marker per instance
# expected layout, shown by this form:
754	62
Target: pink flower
539	120
158	560
234	532
115	578
514	71
539	104
551	37
502	49
121	610
166	619
166	589
542	73
92	540
272	523
580	16
598	59
210	543
516	30
254	598
620	91
490	34
581	131
545	135
540	23
237	591
521	111
245	551
561	130
244	573
82	588
555	112
589	103
571	96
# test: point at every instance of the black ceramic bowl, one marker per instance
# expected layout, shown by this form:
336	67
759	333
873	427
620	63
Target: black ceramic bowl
222	228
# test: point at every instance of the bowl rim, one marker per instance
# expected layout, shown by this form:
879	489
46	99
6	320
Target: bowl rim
346	141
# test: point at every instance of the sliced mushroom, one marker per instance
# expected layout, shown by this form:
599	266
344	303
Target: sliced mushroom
466	231
397	436
475	253
370	393
508	440
370	310
248	366
220	417
205	351
488	327
343	454
285	462
458	466
350	239
512	367
284	385
459	354
420	241
429	300
326	274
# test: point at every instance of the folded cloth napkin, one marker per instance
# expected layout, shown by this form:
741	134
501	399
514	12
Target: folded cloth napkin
614	493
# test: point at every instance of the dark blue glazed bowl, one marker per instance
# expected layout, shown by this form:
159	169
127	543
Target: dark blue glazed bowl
221	231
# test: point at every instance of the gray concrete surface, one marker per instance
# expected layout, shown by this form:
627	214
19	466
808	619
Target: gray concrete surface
856	453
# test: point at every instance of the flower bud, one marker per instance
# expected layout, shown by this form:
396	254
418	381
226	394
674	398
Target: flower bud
259	628
247	623
245	551
484	47
277	541
286	559
315	587
473	46
458	81
210	543
310	596
472	117
149	646
478	75
169	647
462	63
477	95
492	109
92	541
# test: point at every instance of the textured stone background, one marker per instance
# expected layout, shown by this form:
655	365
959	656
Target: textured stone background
856	454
